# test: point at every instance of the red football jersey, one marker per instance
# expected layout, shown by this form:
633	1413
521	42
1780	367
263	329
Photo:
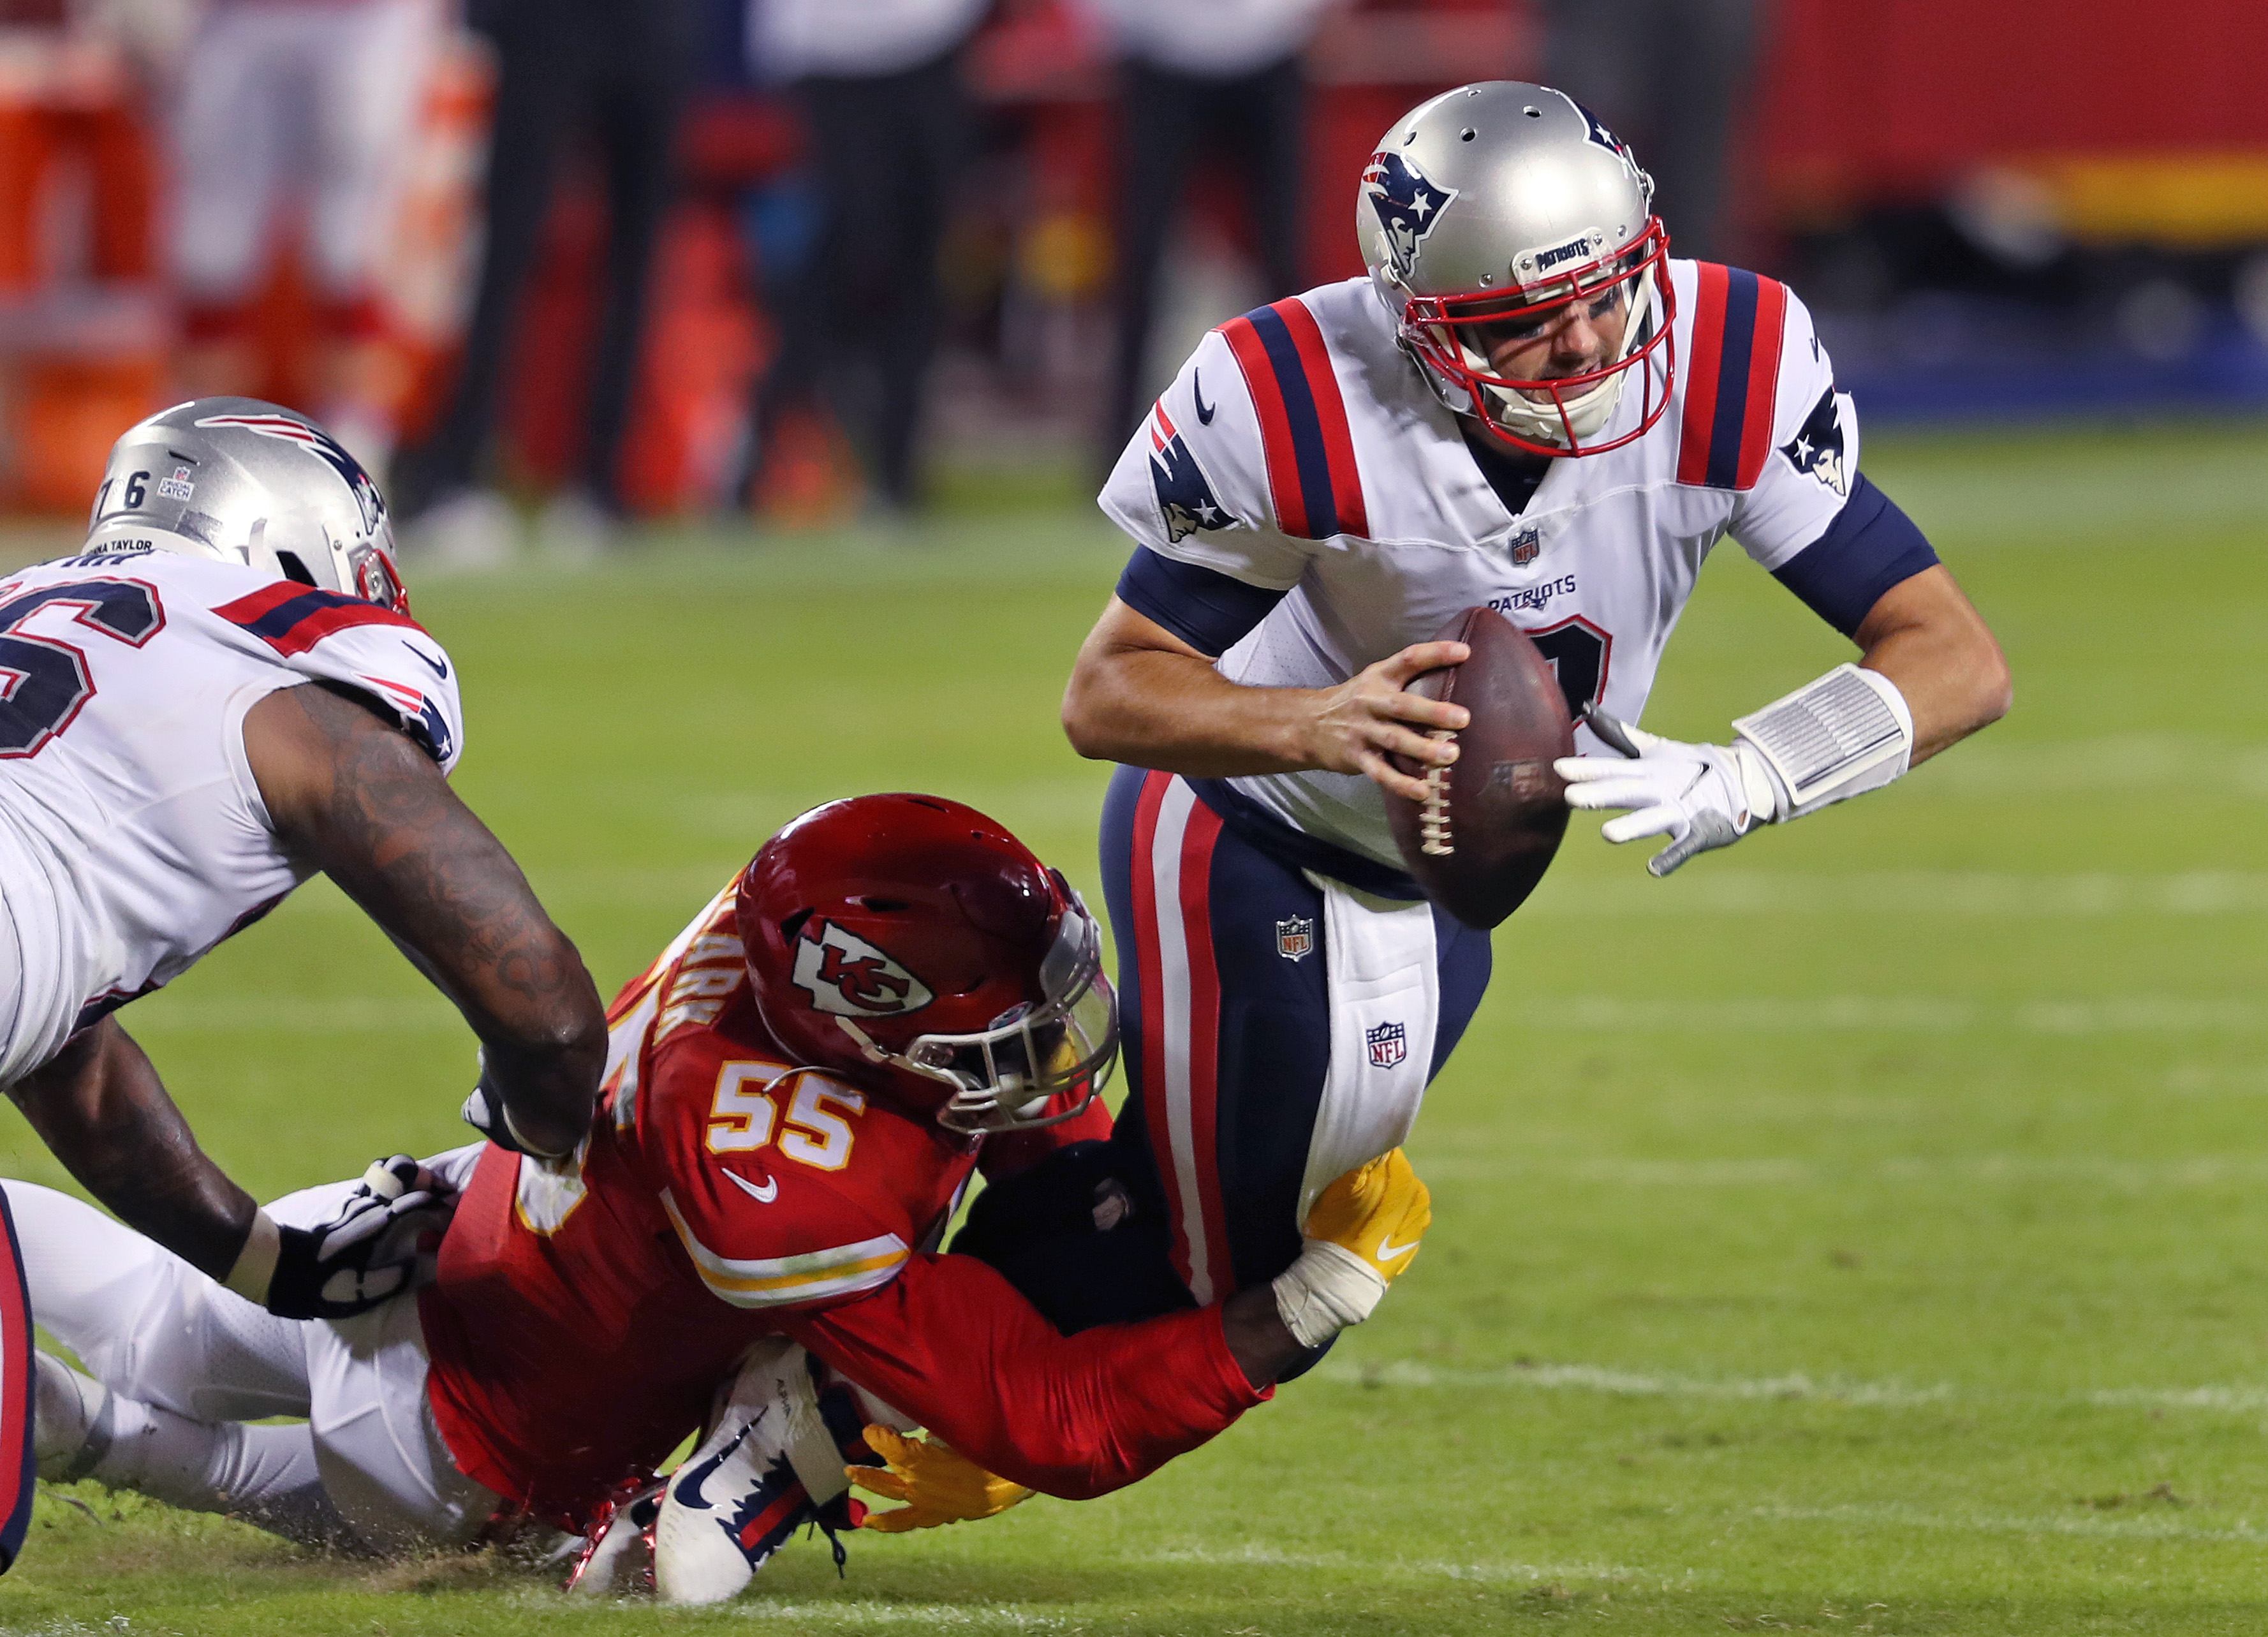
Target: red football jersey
582	1321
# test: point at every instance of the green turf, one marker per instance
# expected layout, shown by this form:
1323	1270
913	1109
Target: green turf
1859	1231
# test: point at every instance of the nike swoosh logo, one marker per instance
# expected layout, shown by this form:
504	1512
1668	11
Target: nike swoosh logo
1387	1249
762	1194
1197	391
439	668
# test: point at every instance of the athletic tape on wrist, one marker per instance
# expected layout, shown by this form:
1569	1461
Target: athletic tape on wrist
255	1269
1326	1290
519	1138
1846	734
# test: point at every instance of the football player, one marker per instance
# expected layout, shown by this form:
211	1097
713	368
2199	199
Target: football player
1527	404
222	693
894	991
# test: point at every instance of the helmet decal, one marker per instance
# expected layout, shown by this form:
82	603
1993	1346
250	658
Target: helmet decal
846	975
320	443
1600	134
1406	203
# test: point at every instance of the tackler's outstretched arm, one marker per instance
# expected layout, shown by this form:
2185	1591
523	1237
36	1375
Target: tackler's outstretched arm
363	803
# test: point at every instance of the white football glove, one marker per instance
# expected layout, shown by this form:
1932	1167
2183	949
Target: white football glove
382	1242
1700	796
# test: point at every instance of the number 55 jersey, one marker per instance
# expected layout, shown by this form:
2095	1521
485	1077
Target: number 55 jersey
132	834
584	1314
1307	506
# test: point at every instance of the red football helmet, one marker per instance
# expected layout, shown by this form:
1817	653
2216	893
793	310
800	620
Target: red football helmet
913	946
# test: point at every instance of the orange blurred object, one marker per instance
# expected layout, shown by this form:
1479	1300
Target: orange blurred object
63	410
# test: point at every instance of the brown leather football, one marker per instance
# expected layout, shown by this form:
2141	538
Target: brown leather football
1482	841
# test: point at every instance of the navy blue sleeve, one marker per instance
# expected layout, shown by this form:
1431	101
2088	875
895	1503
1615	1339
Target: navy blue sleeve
1207	609
1870	547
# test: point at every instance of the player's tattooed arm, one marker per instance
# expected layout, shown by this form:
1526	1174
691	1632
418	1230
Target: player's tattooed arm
360	801
100	1106
1926	636
1139	694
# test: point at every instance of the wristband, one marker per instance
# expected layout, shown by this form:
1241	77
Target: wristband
255	1269
1329	1288
1841	737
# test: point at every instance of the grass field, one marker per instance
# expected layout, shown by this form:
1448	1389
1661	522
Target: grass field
1860	1231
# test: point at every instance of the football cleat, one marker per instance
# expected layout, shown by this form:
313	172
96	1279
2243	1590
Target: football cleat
70	1420
616	1559
768	1466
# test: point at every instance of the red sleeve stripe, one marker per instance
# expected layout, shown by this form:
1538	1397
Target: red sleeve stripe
1734	377
1163	432
1312	476
18	1471
292	618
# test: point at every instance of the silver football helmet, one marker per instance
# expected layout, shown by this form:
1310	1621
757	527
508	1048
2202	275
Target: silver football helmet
1487	210
245	482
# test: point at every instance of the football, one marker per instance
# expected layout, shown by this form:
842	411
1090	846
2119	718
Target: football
1484	837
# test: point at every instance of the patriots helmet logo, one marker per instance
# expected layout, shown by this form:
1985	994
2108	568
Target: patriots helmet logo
1185	499
1817	449
1406	203
847	976
320	444
1599	133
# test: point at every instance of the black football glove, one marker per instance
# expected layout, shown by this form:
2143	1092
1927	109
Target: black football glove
483	1112
383	1243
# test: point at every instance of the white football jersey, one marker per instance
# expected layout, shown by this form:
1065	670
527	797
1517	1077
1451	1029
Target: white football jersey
132	834
1300	451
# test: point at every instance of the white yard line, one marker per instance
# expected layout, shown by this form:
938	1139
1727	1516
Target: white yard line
1628	1383
2232	1399
1963	895
2204	1171
1901	1015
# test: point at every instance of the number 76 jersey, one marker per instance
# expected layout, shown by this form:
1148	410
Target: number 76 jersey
1301	474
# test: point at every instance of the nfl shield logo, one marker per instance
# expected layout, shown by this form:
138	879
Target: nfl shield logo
1389	1044
1525	546
1295	938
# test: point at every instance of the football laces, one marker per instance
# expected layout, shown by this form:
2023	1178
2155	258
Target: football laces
1434	837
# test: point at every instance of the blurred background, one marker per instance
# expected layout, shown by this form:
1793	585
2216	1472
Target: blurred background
555	266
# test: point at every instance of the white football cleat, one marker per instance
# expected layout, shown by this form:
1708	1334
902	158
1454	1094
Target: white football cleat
70	1414
616	1559
766	1466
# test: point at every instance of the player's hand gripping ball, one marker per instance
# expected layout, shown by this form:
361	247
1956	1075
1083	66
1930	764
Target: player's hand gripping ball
1493	818
939	1484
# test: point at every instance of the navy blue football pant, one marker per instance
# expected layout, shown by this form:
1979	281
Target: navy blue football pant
1224	1014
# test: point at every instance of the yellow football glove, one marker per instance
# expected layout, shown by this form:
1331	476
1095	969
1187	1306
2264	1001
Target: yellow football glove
1361	1232
939	1482
1379	1210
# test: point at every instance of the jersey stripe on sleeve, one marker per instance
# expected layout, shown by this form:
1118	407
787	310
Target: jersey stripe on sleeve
291	618
1312	476
784	1281
1733	379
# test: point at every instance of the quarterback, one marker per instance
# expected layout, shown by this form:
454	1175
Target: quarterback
1527	404
894	993
167	776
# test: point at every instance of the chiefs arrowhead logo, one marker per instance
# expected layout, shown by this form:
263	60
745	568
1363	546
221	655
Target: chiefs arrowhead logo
848	976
